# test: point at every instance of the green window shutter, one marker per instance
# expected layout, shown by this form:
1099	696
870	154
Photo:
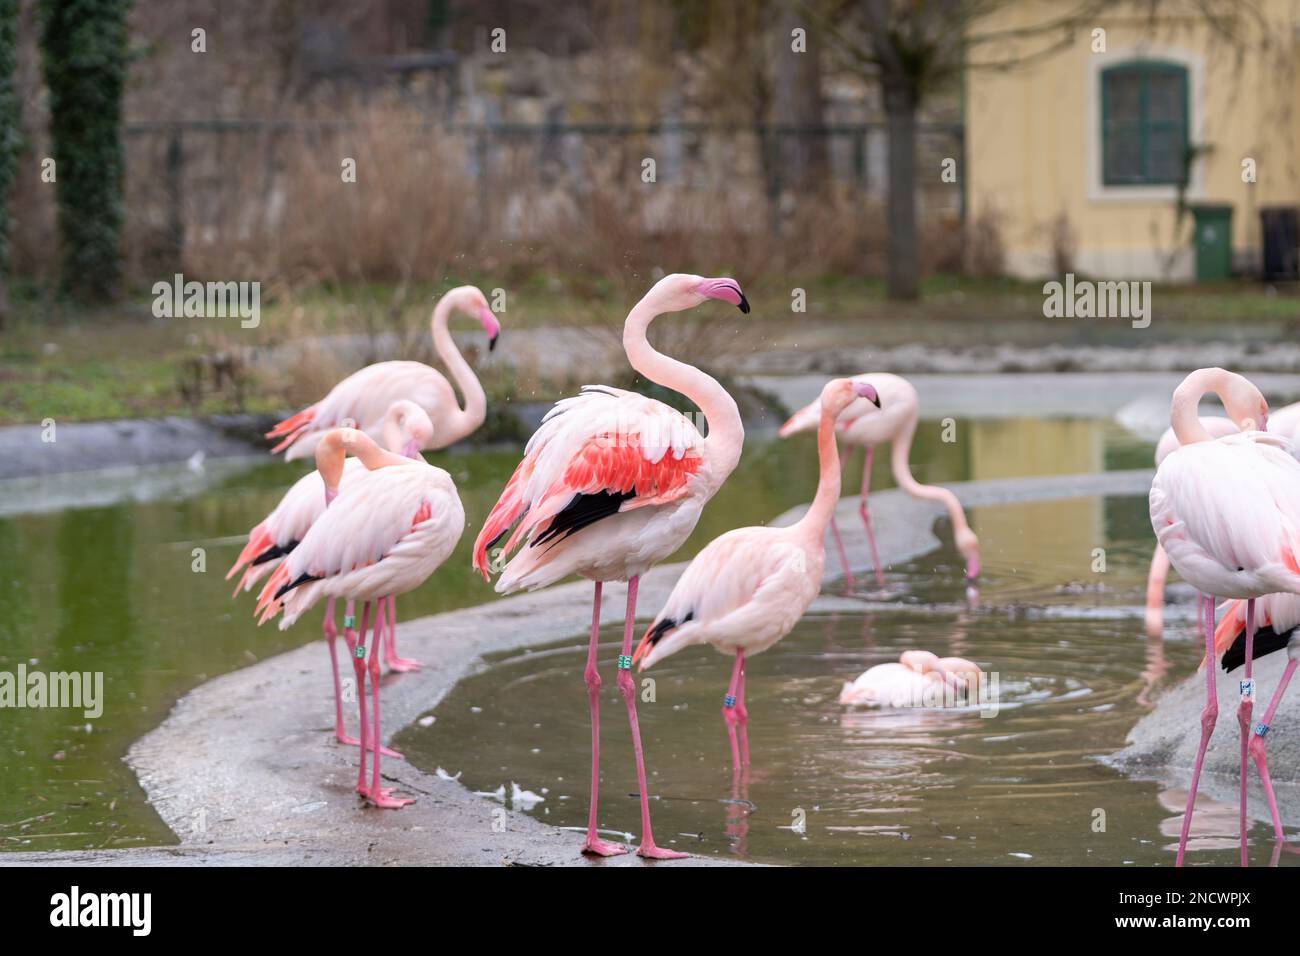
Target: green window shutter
1144	123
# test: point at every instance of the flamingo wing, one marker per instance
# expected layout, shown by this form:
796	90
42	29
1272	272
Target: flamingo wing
361	400
1276	616
594	455
747	588
367	522
1228	513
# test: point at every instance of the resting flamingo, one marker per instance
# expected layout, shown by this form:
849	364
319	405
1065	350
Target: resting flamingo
363	397
406	428
894	422
916	676
1278	620
748	588
398	521
1227	512
611	483
1285	421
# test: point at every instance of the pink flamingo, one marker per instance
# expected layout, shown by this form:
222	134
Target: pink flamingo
748	588
1227	513
398	521
894	422
611	483
1285	421
1278	617
406	427
916	676
361	399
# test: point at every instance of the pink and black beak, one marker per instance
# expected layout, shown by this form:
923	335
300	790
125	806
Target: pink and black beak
490	325
725	289
867	391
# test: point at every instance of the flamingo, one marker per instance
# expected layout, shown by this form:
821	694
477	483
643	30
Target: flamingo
748	588
363	397
1284	421
916	676
406	427
1227	512
611	483
1279	621
894	422
397	522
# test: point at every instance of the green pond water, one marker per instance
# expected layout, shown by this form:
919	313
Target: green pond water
113	589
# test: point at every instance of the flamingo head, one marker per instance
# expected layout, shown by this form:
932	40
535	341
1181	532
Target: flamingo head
840	393
471	300
680	291
1243	402
416	429
331	455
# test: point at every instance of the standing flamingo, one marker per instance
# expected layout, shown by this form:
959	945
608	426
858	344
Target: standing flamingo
398	521
611	483
894	421
406	428
748	588
916	676
1227	512
1285	421
363	397
1279	622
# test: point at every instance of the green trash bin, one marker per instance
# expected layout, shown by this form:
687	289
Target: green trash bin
1213	241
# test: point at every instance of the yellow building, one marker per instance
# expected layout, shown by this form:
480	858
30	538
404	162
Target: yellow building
1077	151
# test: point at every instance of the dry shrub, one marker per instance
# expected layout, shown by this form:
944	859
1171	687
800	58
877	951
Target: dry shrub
985	253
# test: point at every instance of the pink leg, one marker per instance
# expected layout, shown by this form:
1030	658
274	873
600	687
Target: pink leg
729	713
330	634
1208	717
1260	755
627	686
395	663
1156	577
595	845
379	796
865	512
844	558
1244	708
743	714
357	651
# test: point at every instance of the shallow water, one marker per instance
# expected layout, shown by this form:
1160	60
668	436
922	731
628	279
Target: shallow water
836	785
113	588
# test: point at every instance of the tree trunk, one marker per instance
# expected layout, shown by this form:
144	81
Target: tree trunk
904	275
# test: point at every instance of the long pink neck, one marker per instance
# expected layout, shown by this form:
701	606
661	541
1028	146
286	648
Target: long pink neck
819	513
726	435
1187	398
463	421
899	450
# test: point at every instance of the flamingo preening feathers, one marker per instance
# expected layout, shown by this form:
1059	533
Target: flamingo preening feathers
383	535
610	484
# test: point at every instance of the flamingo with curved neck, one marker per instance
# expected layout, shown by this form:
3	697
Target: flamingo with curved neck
361	399
406	427
394	523
748	588
895	422
611	483
1225	512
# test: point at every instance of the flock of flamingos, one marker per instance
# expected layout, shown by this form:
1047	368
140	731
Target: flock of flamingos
613	482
